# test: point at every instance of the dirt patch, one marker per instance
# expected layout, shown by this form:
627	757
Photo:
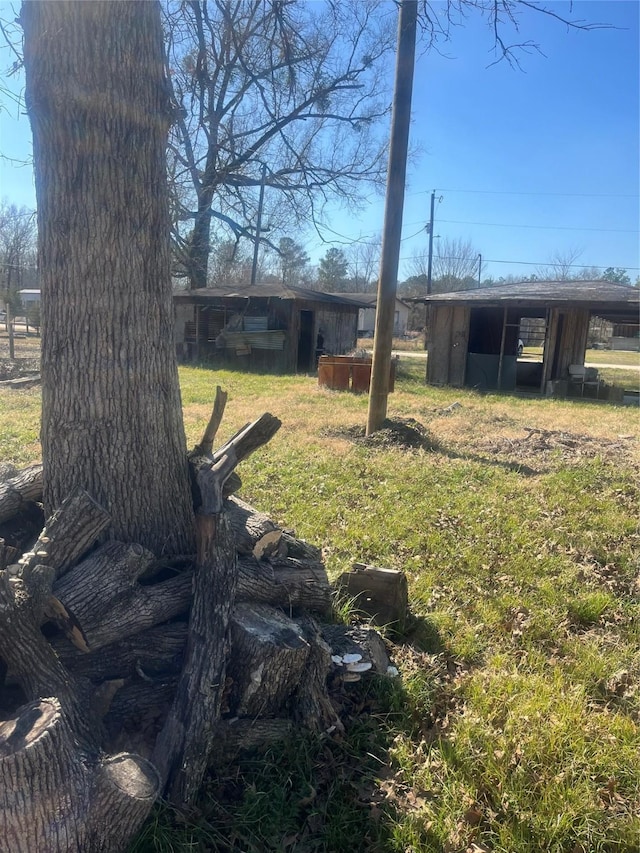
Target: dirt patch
543	449
402	433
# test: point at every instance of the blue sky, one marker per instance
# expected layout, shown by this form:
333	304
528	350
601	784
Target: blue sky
528	163
556	144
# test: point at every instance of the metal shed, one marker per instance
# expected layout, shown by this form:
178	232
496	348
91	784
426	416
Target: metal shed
473	335
268	327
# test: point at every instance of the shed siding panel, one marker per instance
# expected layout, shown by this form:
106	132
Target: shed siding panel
574	340
459	345
439	344
339	330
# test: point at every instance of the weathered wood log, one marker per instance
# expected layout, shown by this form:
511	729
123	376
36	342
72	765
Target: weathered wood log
293	585
245	442
255	532
186	741
380	594
240	735
149	654
29	656
270	653
202	452
19	490
124	789
205	446
287	583
357	640
311	703
298	549
104	601
8	554
251	437
72	529
137	713
56	797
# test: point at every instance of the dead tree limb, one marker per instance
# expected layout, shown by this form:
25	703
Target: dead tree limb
211	430
103	602
185	743
69	533
19	490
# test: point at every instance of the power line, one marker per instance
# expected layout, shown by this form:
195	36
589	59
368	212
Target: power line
518	192
542	227
524	263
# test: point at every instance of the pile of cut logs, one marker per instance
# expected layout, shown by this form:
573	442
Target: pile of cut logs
124	676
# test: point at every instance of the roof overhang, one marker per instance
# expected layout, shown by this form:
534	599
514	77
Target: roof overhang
614	302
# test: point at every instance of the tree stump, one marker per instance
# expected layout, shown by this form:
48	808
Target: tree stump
53	797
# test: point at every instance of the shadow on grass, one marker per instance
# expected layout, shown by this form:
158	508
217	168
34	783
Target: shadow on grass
327	792
409	435
311	793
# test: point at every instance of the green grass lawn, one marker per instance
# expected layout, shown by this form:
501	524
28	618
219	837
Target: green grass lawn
515	724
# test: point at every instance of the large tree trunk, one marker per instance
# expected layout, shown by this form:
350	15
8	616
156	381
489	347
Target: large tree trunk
100	112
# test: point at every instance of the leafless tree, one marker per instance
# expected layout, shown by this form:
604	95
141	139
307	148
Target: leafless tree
454	265
17	251
561	265
364	263
504	20
284	93
230	264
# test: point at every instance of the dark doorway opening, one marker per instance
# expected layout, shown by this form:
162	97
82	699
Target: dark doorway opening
306	343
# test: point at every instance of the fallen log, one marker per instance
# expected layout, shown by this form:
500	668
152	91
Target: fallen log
292	585
185	743
19	490
69	533
102	600
54	796
298	548
270	652
287	583
241	735
26	652
149	654
255	532
137	714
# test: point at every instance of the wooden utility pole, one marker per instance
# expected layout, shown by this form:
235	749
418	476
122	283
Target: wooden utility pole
394	202
430	260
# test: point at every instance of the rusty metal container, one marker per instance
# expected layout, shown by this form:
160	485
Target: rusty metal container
334	372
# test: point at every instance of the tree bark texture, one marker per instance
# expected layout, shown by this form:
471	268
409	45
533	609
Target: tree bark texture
100	111
19	490
124	607
68	534
185	743
54	797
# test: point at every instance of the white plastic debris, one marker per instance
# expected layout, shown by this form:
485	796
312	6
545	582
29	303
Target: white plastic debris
352	658
393	671
362	666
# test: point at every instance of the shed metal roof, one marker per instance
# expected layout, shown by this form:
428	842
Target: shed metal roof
370	299
264	291
604	298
